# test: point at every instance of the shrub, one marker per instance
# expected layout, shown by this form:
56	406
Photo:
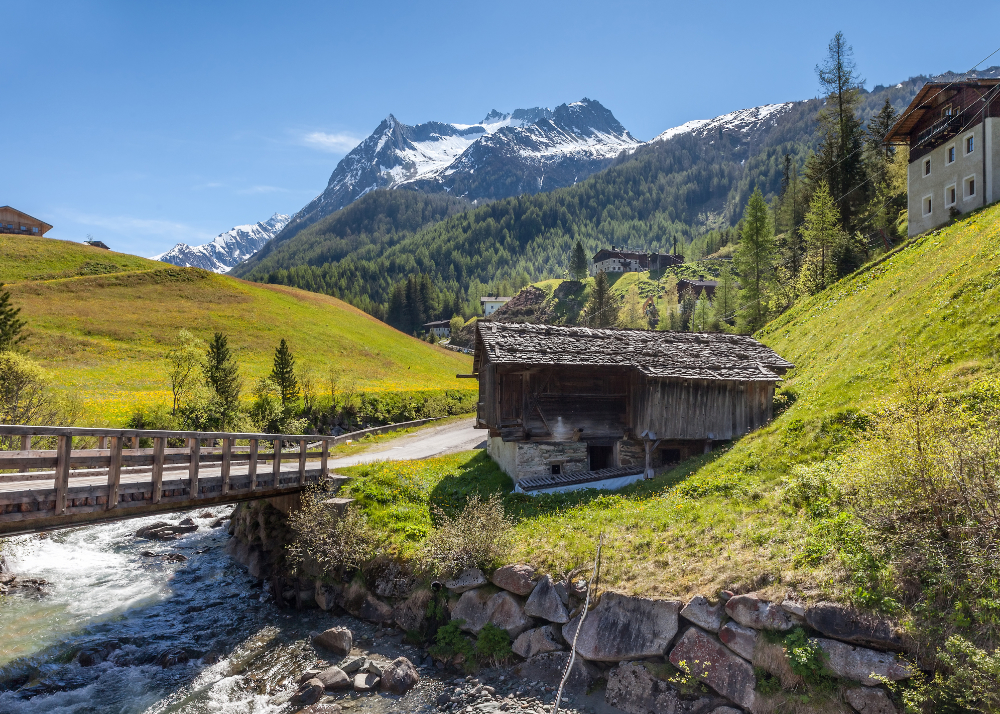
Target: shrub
450	642
27	397
812	487
328	540
493	646
479	536
806	658
968	682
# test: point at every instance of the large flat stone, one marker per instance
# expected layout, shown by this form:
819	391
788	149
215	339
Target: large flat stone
338	640
334	678
472	607
518	579
506	611
714	664
703	613
869	700
741	640
751	611
466	580
549	668
860	663
546	603
633	689
625	628
849	625
537	641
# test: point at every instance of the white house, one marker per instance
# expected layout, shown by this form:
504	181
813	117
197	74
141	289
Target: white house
492	304
441	328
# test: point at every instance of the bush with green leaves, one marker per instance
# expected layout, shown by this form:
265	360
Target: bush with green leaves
479	536
450	642
806	658
493	646
325	539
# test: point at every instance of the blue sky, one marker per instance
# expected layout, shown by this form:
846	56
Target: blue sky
149	123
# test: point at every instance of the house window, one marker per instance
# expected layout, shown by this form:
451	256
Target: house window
946	111
970	187
951	155
970	144
950	196
556	469
34	229
927	205
927	167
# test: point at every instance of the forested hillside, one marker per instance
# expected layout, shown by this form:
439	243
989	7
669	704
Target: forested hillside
663	196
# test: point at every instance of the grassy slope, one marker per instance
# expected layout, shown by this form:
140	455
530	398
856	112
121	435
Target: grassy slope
104	336
720	520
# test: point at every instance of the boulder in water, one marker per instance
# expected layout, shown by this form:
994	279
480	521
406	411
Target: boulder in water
337	639
399	675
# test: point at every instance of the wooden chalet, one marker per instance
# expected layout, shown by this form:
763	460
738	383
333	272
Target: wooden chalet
622	260
15	221
697	287
559	401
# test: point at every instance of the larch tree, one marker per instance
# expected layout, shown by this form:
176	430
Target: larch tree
824	241
701	316
668	317
185	360
283	374
724	304
754	260
631	314
11	325
578	262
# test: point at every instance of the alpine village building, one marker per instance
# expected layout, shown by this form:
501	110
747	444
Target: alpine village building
575	407
15	221
622	260
953	132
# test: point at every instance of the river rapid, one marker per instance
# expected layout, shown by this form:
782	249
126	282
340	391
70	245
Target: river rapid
158	634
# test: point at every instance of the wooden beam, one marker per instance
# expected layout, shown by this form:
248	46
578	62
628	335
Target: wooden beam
276	464
252	466
325	460
114	472
64	449
159	444
227	457
25	443
302	462
194	465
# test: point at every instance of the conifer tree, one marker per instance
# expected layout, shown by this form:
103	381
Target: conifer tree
701	316
652	315
601	312
222	374
888	190
824	240
754	259
11	326
631	315
283	374
724	304
688	303
578	262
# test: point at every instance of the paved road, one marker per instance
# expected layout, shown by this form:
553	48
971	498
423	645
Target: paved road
424	443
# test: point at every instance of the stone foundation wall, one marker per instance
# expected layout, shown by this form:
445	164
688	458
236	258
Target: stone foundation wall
536	458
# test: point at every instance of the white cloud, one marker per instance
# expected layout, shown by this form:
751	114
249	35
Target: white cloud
334	143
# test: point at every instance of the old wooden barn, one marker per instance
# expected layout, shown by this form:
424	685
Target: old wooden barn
567	406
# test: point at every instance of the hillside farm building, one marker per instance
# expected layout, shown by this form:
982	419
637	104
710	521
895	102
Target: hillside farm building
15	221
697	287
440	328
566	406
491	304
619	260
953	132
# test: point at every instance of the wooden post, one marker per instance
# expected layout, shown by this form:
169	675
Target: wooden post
102	442
114	472
227	455
276	464
135	443
25	443
64	450
195	446
159	444
252	466
302	461
325	462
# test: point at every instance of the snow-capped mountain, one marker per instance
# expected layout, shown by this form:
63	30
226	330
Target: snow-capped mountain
228	249
745	121
528	150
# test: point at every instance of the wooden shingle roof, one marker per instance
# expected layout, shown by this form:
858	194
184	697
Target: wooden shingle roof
678	355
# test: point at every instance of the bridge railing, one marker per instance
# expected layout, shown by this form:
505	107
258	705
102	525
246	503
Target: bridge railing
77	474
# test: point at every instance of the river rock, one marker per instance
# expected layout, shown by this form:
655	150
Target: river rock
849	625
537	641
466	580
365	682
374	667
633	689
473	608
328	596
337	639
357	664
399	675
374	610
546	603
625	628
751	611
859	663
334	678
739	639
506	611
549	668
309	693
703	613
714	664
394	582
322	708
518	579
409	614
869	700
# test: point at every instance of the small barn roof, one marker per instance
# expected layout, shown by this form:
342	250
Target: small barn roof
677	355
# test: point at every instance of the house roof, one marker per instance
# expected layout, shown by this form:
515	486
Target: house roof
930	97
678	355
489	298
27	218
437	323
698	283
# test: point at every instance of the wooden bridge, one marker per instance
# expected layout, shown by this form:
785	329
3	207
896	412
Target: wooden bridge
77	476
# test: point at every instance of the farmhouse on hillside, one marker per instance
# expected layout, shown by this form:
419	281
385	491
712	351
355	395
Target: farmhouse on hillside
571	407
953	132
697	287
492	303
439	328
15	221
622	260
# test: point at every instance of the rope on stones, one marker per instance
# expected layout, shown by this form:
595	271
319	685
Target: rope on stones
594	578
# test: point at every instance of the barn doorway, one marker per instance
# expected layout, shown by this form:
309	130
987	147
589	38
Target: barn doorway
601	457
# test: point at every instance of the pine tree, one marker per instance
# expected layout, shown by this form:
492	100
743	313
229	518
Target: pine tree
283	374
652	315
11	326
888	191
754	259
824	241
724	304
688	303
601	311
578	262
222	374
